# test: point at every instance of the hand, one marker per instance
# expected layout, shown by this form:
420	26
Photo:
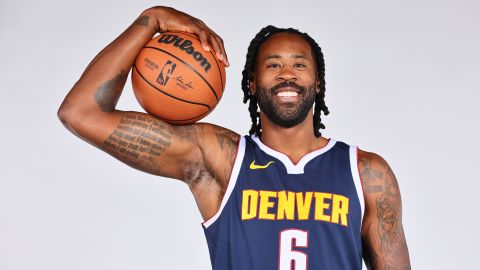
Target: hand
170	19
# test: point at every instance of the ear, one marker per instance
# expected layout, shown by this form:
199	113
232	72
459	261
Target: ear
252	85
317	84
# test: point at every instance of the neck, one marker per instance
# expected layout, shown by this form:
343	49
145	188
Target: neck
295	142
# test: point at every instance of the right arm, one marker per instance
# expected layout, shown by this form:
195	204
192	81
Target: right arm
189	153
383	238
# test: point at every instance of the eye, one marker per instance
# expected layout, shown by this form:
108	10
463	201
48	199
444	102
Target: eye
299	65
273	65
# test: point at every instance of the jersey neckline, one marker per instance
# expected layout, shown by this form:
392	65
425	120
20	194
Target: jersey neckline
292	168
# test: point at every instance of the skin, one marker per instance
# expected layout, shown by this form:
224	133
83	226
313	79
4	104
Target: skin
383	238
194	154
287	57
202	155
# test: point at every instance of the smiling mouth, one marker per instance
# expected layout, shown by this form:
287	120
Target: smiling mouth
287	92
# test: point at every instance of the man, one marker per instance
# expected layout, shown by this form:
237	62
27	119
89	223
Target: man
283	198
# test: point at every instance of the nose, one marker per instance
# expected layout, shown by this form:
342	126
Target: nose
287	74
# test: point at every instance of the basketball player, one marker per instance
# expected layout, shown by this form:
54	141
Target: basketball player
284	197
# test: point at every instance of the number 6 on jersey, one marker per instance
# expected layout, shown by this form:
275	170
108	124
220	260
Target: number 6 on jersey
289	239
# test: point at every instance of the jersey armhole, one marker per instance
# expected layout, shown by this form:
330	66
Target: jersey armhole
231	182
357	180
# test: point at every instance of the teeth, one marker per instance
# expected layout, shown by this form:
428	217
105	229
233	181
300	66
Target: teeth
287	94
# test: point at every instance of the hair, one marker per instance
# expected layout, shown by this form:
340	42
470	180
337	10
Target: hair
249	69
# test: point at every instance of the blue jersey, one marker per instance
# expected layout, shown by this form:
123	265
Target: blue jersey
283	216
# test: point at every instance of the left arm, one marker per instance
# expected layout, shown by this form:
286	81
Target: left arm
383	238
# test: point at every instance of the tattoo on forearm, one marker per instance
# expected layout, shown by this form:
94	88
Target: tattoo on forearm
369	251
108	93
143	21
139	139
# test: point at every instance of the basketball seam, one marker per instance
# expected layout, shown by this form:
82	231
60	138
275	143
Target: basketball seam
165	93
219	71
188	65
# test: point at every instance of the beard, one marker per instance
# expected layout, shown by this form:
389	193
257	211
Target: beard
286	114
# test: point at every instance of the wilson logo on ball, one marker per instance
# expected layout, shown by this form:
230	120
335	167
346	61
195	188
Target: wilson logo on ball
166	72
170	82
186	46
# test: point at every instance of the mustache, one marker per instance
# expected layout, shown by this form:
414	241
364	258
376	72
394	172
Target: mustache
300	89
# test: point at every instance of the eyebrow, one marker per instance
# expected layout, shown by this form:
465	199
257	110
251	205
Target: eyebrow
277	56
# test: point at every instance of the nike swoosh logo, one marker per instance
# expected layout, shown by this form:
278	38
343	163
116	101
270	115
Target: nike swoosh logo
253	166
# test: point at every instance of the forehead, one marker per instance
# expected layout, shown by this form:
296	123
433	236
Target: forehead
284	45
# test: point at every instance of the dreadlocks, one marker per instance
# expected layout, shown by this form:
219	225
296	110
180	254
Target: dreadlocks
248	70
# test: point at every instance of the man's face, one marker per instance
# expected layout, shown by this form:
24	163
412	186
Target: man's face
285	81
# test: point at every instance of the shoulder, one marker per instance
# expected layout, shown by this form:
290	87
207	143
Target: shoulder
372	168
219	147
217	137
369	164
205	134
378	180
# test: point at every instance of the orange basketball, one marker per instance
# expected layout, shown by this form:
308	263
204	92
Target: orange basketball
175	79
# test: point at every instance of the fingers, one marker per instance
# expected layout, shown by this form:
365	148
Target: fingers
219	49
210	40
170	19
203	36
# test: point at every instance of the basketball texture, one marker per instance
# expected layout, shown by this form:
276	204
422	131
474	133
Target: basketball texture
175	79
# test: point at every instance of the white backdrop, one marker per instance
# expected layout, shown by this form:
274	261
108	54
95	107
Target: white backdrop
402	81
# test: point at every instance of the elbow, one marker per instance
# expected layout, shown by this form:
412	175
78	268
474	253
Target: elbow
62	114
66	112
70	116
66	116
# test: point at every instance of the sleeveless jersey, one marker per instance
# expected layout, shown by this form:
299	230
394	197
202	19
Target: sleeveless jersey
276	215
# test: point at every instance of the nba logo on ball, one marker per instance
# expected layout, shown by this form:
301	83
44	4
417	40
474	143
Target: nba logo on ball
183	60
166	72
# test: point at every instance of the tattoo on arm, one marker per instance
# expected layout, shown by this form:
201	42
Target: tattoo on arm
190	133
390	251
369	175
108	93
389	219
143	21
369	251
227	140
194	172
138	139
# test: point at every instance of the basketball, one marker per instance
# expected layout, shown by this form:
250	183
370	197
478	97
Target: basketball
175	79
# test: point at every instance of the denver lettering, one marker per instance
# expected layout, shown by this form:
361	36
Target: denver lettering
288	205
186	46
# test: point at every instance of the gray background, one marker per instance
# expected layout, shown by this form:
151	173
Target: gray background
402	81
